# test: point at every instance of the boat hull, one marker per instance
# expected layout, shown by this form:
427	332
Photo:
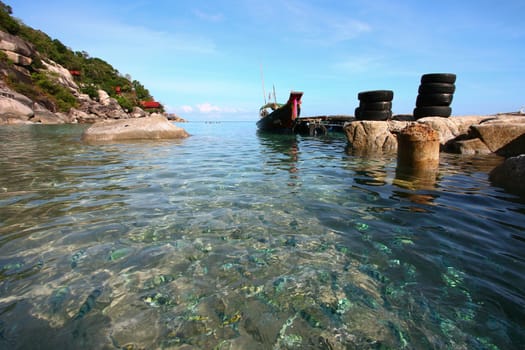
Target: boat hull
279	120
283	118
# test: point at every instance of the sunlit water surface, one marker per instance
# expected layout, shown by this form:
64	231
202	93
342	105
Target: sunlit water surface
235	240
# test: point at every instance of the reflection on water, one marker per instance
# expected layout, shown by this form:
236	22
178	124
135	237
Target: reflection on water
235	239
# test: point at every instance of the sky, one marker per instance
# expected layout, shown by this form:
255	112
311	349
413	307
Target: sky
212	60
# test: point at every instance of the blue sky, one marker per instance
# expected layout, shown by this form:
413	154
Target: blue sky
203	59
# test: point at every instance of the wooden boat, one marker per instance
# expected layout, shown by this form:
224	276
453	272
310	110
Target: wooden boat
280	118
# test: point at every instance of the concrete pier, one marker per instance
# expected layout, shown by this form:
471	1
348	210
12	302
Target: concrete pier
418	147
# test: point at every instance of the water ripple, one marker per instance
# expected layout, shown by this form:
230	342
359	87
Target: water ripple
232	238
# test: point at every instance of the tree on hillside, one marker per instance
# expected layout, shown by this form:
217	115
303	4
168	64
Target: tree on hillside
8	23
6	8
93	73
140	91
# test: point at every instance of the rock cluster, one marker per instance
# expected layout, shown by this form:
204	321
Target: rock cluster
503	135
500	134
19	109
17	50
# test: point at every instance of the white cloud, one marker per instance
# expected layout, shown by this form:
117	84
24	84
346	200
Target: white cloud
208	108
186	109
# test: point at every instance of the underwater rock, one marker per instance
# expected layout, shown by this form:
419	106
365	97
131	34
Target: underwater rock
75	258
158	300
157	281
58	298
120	253
88	305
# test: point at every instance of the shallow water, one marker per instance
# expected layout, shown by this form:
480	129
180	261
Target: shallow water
232	239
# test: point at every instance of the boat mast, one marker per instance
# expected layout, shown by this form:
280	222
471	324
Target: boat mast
274	97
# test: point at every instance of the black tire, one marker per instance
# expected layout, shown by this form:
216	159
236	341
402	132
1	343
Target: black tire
376	106
424	100
448	78
357	113
374	115
437	88
432	111
376	96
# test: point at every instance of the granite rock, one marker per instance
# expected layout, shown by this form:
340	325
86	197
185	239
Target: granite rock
503	138
149	128
368	136
510	175
16	49
11	108
500	134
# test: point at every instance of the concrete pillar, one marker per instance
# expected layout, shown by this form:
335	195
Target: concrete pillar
418	147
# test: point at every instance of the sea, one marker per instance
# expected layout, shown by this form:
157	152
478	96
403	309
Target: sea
236	239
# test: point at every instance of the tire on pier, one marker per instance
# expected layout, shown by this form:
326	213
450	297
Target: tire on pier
376	96
434	100
437	88
374	105
432	111
449	78
435	94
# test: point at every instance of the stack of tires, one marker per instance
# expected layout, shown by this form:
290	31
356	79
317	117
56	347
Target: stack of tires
435	95
374	105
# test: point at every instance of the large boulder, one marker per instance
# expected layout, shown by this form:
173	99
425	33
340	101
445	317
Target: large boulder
469	147
150	128
510	175
138	112
45	116
62	75
505	139
79	116
9	42
16	49
104	98
18	59
21	98
11	109
370	136
450	129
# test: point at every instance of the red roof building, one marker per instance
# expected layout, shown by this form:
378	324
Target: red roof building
150	104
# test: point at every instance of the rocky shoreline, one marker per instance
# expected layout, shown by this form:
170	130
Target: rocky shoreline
16	108
502	134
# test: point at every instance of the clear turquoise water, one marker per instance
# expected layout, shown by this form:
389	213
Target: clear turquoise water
235	240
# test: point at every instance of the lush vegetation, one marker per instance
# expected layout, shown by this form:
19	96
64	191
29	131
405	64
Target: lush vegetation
94	73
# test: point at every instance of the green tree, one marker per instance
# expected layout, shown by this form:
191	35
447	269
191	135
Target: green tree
95	73
8	23
140	91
